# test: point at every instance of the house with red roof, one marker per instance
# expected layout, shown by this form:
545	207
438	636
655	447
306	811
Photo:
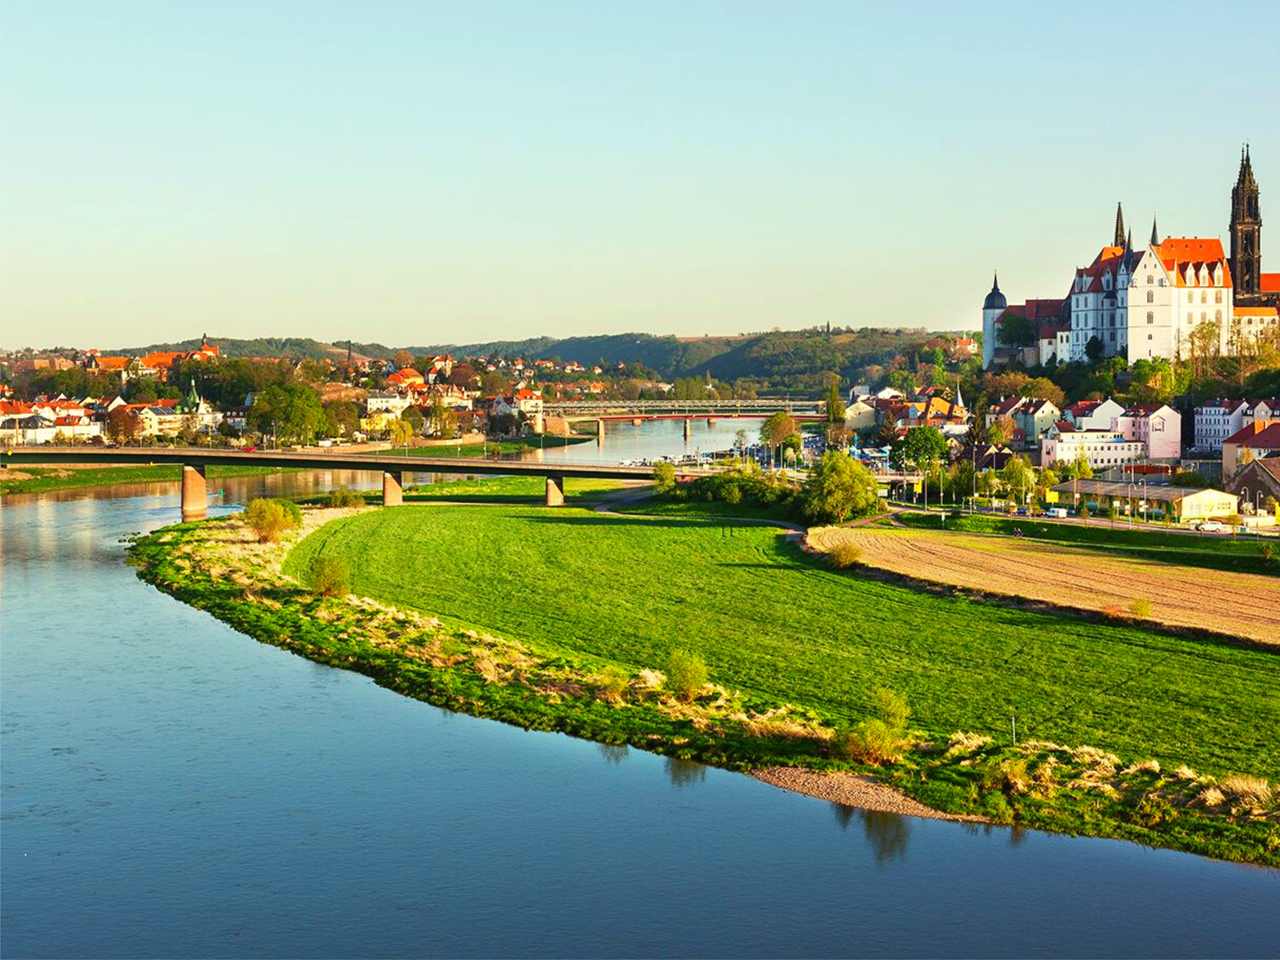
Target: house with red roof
1258	441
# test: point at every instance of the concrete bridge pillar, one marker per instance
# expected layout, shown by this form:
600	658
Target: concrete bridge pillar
195	493
688	429
555	490
392	488
711	421
600	431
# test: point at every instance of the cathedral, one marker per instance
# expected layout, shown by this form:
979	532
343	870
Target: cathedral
1169	299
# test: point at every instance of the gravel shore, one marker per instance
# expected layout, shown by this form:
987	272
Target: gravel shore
852	791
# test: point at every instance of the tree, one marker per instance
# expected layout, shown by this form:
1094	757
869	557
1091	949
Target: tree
686	674
664	478
1001	432
293	413
1017	476
122	426
399	432
838	488
342	417
1015	330
403	358
1042	388
776	430
835	404
414	418
918	449
441	420
270	519
740	441
1094	348
1079	468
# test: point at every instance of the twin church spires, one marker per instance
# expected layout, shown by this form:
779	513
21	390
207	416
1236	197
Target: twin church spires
1125	239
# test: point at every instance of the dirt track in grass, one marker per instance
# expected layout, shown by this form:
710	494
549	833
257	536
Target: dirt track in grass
1242	604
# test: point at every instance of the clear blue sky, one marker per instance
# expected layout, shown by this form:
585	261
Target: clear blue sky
422	172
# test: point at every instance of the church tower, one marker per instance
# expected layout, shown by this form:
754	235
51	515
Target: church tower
1246	232
1118	241
992	307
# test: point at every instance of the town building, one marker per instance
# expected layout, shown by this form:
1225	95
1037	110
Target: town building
1257	484
1157	428
1183	504
1256	441
1101	449
1215	420
1093	414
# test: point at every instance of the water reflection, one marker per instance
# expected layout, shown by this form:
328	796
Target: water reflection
613	753
888	834
683	773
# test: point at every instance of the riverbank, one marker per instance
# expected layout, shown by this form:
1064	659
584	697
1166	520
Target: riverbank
27	479
546	658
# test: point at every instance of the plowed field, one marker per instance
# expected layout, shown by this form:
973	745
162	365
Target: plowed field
1242	604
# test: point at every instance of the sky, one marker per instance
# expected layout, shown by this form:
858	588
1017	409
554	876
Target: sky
416	172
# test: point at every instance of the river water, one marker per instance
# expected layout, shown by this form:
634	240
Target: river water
172	788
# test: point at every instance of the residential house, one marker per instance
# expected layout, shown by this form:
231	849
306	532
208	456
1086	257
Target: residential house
1158	428
385	401
1101	449
1093	414
1257	484
1259	440
1215	420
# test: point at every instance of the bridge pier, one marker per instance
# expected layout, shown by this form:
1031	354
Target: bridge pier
599	431
392	488
555	490
688	429
195	493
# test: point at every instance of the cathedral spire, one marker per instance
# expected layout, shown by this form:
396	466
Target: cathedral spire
1155	234
1119	237
1246	231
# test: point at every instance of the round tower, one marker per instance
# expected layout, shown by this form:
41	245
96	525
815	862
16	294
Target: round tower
992	307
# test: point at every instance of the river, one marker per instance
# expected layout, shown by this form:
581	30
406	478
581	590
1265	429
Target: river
172	788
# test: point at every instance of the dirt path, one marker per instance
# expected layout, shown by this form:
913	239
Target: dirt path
1242	604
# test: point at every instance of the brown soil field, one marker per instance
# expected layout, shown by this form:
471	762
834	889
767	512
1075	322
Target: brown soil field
1241	604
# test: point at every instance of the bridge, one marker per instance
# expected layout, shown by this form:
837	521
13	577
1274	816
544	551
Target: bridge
714	408
195	461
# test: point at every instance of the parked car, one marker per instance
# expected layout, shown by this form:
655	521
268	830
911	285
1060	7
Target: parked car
1211	526
1059	512
250	449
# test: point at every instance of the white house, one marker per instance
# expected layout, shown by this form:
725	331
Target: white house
1216	420
386	401
1100	448
1093	414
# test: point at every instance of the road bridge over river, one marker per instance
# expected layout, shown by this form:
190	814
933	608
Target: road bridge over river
573	409
196	460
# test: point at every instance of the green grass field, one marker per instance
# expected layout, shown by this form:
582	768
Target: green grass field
773	622
1243	555
45	479
494	448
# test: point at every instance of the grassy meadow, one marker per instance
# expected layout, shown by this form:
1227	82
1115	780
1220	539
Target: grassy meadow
25	479
779	625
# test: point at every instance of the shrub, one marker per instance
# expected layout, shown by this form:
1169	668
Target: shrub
1268	553
686	674
614	682
270	519
664	478
844	555
1251	791
1083	512
878	741
1150	810
1140	608
344	497
329	577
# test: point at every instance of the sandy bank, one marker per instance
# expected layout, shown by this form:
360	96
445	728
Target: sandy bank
853	790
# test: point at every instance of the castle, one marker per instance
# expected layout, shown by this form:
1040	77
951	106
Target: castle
1173	298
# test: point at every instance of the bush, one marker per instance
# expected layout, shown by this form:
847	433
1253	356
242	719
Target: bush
844	555
614	682
343	497
686	674
271	519
878	741
1268	553
329	577
664	478
1141	609
1083	512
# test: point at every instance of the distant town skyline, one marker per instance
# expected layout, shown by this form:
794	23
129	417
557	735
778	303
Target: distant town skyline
417	174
